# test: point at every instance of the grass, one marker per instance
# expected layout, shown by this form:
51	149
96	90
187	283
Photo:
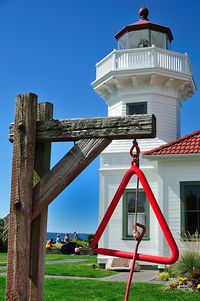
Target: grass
86	290
3	259
78	269
75	269
49	257
52	257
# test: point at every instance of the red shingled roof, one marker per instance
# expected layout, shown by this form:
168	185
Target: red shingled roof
189	144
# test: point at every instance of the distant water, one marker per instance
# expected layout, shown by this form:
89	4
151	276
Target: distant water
53	235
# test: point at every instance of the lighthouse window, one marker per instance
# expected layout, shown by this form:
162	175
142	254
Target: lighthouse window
136	108
129	212
143	38
190	209
123	42
158	39
138	39
134	39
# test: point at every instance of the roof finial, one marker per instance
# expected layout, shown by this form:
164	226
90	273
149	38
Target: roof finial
144	12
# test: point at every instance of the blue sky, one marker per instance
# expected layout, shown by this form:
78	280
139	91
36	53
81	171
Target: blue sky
50	48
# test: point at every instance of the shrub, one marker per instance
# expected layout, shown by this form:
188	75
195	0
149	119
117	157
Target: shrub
189	261
194	277
3	242
81	243
90	238
164	276
170	269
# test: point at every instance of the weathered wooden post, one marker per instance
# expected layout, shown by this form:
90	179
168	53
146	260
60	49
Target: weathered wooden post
21	197
39	225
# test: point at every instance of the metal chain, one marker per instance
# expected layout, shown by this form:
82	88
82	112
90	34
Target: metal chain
135	153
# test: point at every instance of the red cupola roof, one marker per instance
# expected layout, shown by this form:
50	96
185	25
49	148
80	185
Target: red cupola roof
144	23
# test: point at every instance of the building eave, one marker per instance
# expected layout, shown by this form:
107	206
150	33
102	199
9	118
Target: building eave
172	156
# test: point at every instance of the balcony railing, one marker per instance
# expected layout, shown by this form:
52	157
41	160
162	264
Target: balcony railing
142	58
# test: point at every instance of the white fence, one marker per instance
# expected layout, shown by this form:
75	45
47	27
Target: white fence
150	57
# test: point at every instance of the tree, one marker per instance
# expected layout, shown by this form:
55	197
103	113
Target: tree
3	242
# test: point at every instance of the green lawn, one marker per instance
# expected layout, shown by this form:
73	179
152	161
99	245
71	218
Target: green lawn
86	290
78	269
3	259
51	257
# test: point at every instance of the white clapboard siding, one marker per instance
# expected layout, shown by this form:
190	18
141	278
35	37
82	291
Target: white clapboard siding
175	172
115	109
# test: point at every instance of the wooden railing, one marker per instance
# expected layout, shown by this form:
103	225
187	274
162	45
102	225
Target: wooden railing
150	57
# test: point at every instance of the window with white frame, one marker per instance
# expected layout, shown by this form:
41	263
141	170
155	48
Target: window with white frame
136	108
190	209
129	212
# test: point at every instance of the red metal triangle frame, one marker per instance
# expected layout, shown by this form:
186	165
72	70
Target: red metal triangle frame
166	231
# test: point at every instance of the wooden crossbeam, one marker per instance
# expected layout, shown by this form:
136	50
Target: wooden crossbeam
65	171
120	127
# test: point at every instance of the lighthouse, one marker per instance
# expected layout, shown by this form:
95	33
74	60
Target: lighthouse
142	76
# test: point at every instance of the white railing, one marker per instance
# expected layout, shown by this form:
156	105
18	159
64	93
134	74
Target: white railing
150	57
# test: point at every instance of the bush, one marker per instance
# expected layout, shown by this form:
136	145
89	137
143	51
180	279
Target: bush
194	277
170	270
164	276
189	261
90	238
3	244
81	243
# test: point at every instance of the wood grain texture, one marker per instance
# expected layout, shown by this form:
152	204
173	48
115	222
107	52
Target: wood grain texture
121	127
39	225
65	171
21	197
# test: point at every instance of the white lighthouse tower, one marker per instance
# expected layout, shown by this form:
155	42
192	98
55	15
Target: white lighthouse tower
143	76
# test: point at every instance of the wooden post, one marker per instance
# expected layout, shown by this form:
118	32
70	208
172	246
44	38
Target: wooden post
21	197
39	225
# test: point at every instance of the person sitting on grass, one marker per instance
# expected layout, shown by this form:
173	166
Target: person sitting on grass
49	244
58	239
77	251
67	237
76	237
